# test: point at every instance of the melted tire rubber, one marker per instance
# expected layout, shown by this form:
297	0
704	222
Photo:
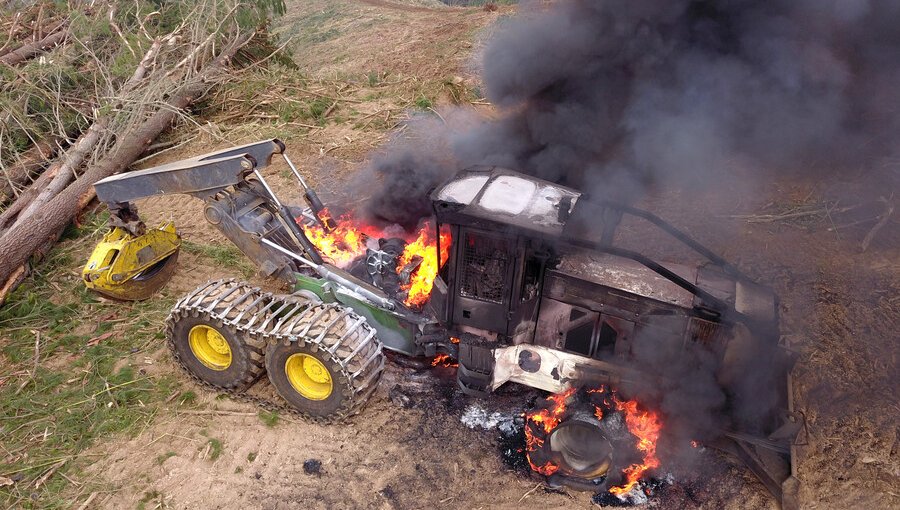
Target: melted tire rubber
267	329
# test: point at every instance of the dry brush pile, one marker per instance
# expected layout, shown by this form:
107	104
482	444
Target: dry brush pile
85	89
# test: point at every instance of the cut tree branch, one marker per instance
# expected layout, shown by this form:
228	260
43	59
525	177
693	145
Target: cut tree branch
28	164
19	243
30	50
888	211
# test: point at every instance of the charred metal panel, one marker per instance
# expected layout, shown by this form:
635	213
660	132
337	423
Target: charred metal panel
757	302
717	283
510	198
555	371
476	364
711	335
548	331
614	337
587	332
586	294
529	277
484	270
629	276
439	301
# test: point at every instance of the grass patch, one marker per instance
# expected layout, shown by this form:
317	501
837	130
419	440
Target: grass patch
318	108
269	419
224	255
423	102
215	448
155	497
160	459
314	28
58	393
188	398
251	456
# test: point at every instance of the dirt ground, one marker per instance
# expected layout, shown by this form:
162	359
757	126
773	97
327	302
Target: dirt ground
841	305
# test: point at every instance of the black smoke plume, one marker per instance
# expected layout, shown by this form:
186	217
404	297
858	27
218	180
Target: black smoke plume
617	97
613	96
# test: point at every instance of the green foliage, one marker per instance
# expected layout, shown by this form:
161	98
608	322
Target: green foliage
160	459
270	419
257	12
153	496
318	107
226	255
423	102
251	456
188	398
215	448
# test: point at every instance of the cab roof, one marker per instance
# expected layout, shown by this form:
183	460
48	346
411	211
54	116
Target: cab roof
504	196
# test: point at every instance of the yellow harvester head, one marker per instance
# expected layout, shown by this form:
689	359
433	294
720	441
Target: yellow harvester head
132	268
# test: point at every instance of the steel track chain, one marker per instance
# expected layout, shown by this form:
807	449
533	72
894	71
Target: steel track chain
268	318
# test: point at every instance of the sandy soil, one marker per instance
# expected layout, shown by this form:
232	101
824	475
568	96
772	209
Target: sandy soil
840	304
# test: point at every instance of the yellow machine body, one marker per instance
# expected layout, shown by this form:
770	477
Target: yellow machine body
126	267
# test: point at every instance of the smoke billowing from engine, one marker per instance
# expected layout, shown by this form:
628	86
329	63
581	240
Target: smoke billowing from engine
616	96
612	96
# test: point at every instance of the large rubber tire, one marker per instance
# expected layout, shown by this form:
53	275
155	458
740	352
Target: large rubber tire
354	367
216	305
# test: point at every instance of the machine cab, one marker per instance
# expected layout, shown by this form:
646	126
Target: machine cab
501	223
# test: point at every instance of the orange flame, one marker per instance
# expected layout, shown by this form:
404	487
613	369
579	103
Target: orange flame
642	424
645	426
443	360
344	244
547	419
547	469
422	280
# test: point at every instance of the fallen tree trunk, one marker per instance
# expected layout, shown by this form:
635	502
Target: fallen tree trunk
28	164
71	160
76	155
21	241
28	51
9	215
9	49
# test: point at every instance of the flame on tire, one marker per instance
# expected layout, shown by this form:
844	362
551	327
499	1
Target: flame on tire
644	425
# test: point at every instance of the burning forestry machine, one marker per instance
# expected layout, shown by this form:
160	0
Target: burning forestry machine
502	279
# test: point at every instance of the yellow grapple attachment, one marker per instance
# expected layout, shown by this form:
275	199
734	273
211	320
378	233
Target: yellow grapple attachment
130	267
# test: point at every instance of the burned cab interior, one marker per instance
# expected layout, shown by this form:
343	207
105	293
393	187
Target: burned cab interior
539	294
524	269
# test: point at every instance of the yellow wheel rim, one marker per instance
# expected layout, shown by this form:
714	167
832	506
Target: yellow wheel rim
309	376
210	347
